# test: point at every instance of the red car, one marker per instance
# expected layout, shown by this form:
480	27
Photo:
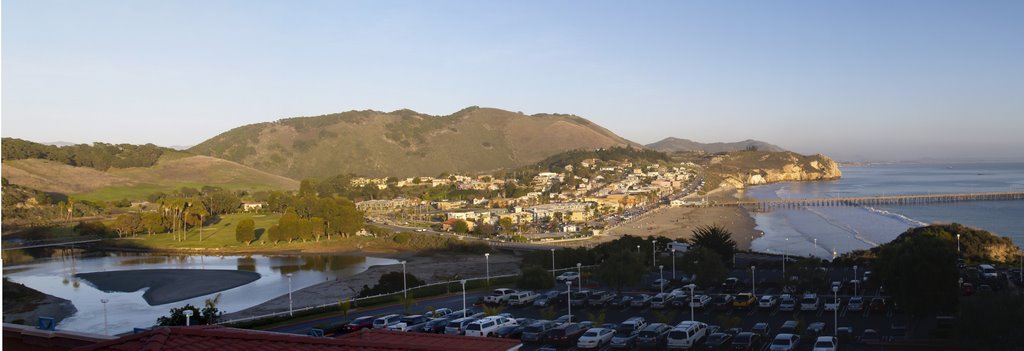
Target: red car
358	324
967	289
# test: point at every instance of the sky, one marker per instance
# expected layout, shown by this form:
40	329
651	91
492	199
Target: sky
857	80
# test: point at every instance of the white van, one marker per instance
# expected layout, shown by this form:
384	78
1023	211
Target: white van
386	321
686	334
488	326
522	298
987	271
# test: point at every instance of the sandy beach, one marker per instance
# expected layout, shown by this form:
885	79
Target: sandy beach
169	285
680	222
434	268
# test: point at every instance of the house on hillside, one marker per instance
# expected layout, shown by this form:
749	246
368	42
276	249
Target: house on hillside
253	206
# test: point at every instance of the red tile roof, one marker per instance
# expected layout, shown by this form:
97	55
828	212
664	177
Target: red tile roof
229	339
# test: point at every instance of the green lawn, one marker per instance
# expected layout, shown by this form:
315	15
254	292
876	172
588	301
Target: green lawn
216	235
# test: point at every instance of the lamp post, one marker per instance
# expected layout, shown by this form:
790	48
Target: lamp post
638	249
579	272
661	275
654	253
188	317
673	263
552	262
463	297
856	280
104	302
568	297
835	322
289	275
784	280
753	280
958	243
487	257
691	286
405	287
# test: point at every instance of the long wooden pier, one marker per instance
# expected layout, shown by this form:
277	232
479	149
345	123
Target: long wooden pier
873	200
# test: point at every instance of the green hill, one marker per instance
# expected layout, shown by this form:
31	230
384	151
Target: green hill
405	143
172	171
675	144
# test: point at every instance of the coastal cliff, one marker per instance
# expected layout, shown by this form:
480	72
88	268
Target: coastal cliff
740	169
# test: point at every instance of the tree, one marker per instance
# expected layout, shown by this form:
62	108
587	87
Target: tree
222	201
153	222
485	229
535	278
208	315
307	188
289	225
715	238
920	273
198	213
389	283
992	323
127	224
706	264
246	231
620	269
506	225
305	230
275	234
460	227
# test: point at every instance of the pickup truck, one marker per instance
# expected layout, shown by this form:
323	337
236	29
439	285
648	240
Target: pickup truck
499	296
522	298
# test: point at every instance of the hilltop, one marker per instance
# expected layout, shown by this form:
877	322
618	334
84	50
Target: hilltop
671	144
405	143
171	172
742	168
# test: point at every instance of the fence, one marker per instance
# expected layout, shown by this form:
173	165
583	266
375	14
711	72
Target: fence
384	297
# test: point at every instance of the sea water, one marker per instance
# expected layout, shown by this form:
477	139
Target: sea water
822	230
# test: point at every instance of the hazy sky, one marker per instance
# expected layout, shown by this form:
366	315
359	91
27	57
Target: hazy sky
878	79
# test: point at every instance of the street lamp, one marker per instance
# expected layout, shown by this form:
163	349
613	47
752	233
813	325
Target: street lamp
654	253
487	257
835	322
958	243
188	317
405	287
552	262
784	263
856	280
661	273
568	297
753	280
638	249
289	275
673	263
692	297
579	272
105	331
463	297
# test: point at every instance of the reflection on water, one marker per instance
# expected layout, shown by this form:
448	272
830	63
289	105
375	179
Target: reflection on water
128	310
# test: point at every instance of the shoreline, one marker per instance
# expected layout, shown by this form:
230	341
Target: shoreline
680	222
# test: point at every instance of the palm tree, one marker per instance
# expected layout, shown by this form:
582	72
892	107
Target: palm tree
715	238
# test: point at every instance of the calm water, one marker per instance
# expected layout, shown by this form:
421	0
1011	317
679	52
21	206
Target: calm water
847	228
128	310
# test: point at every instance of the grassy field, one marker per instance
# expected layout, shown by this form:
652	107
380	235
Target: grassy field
216	235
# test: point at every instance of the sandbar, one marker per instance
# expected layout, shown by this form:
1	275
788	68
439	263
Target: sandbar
169	285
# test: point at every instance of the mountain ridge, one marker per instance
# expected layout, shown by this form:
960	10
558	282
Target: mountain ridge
673	144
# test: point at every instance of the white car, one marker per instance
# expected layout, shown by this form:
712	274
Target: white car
856	304
595	338
832	305
768	301
785	342
826	343
487	326
700	301
568	276
810	302
499	296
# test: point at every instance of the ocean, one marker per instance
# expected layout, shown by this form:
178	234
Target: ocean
820	231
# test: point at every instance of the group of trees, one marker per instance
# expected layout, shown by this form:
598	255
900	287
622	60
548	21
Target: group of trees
100	156
311	215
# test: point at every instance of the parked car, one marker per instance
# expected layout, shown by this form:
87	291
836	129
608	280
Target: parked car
768	301
438	313
522	298
700	301
743	300
747	341
579	298
730	284
662	300
653	335
833	304
687	334
622	301
566	334
717	342
595	338
549	298
565	318
787	303
384	322
815	329
762	329
877	304
870	335
659	284
511	331
826	343
625	332
413	323
600	298
437	325
358	324
458	326
967	289
790	327
856	304
722	301
499	296
568	276
641	300
487	326
810	302
785	342
538	331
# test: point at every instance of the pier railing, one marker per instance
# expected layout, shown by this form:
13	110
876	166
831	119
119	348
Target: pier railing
873	200
356	301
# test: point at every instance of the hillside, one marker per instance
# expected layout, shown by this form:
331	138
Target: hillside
171	172
742	168
405	143
671	144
